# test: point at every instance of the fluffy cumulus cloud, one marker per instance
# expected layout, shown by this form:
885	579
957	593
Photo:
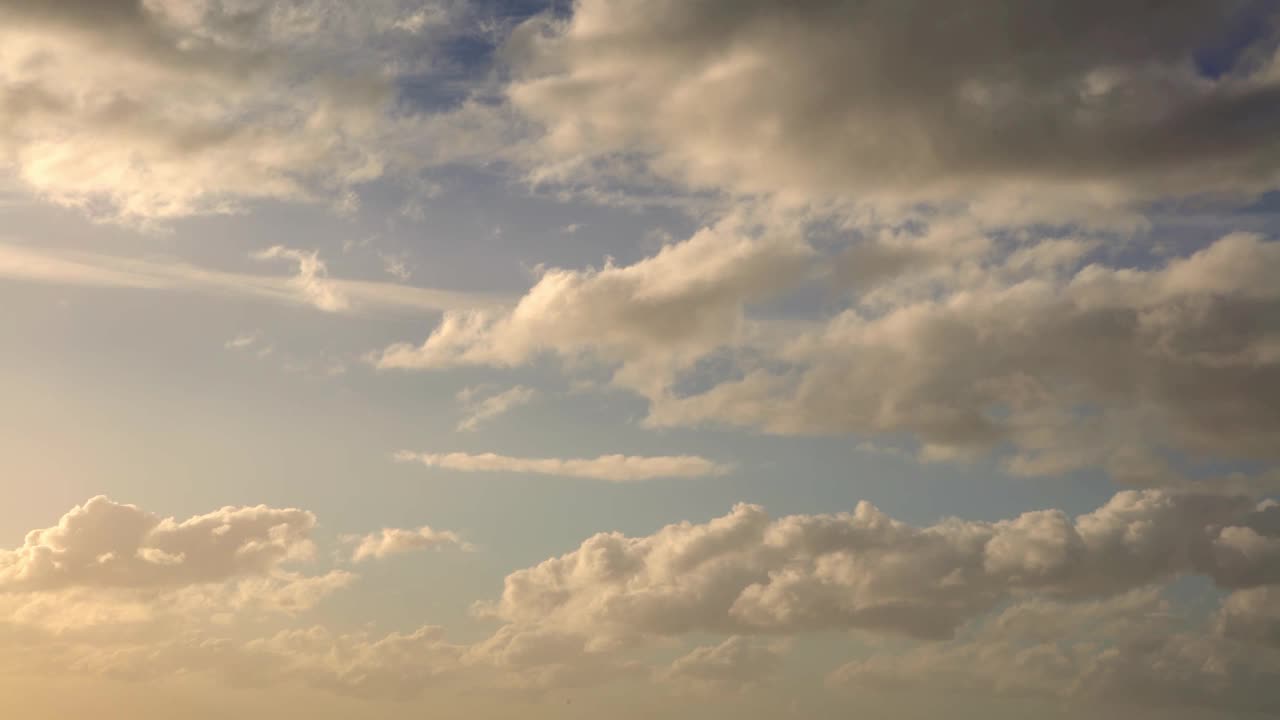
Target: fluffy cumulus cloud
107	544
110	565
747	573
394	541
1038	604
910	100
650	318
609	468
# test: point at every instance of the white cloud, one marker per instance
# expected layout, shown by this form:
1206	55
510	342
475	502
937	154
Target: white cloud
29	264
107	544
394	541
482	410
650	317
187	108
963	339
745	573
976	354
1038	604
609	468
111	573
312	280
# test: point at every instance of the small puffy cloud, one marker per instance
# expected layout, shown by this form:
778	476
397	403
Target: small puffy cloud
396	266
312	280
480	410
608	468
394	541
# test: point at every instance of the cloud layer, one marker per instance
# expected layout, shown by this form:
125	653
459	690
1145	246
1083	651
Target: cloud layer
609	468
908	101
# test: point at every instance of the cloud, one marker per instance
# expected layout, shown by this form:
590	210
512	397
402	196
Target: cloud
312	281
394	541
1038	604
189	107
1252	616
652	316
243	341
57	267
396	267
978	354
745	573
963	338
904	102
107	544
110	573
1129	650
608	468
487	408
732	666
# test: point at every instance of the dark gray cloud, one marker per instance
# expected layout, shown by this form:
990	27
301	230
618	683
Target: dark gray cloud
915	100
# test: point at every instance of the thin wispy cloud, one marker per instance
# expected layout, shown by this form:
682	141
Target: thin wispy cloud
480	408
309	287
607	468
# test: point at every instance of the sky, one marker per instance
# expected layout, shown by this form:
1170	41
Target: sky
639	358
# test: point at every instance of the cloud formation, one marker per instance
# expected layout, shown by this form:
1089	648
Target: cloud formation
745	573
188	107
963	339
733	665
107	544
650	317
394	541
908	101
1128	650
608	468
984	353
483	409
312	280
311	288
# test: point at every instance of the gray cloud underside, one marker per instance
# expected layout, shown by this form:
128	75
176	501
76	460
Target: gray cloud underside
909	100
